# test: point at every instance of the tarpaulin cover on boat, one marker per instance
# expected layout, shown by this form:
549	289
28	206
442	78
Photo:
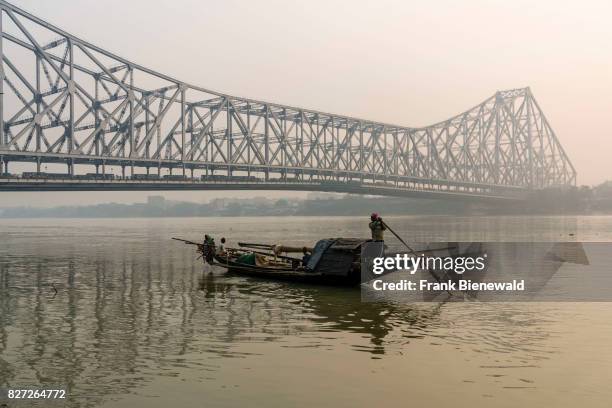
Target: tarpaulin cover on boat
318	251
335	256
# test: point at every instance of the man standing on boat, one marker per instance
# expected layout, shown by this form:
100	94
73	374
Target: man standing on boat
377	226
208	248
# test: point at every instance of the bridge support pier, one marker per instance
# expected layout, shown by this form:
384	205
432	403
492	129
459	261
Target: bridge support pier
1	165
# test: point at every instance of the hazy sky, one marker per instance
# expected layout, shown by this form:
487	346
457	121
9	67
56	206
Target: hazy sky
404	62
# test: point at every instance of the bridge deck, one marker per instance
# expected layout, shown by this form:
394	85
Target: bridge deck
127	184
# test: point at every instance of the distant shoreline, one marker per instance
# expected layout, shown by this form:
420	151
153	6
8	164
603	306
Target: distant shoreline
577	201
158	207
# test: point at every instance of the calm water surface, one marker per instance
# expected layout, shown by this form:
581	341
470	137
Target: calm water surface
139	322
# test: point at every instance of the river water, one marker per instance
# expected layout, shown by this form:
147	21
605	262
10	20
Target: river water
137	321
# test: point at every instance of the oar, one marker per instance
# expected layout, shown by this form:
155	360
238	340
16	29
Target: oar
408	246
413	252
398	237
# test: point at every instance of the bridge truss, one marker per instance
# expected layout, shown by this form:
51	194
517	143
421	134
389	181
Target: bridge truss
65	100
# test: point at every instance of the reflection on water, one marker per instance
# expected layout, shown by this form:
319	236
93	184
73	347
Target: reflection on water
134	310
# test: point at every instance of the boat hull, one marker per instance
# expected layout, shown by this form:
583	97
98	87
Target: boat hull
287	274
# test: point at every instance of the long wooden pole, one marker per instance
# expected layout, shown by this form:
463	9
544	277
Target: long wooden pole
398	237
436	277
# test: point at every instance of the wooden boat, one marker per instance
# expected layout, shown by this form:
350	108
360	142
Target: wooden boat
334	261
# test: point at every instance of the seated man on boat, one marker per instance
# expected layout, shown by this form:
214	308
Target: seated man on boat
221	249
377	226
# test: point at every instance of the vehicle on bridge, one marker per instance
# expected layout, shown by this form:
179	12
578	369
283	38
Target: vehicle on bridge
145	177
177	177
225	178
60	176
42	175
250	179
95	176
213	177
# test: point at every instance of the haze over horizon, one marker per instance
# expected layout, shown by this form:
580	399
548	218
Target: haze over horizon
411	64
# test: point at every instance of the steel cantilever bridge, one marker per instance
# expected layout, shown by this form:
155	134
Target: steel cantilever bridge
111	124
